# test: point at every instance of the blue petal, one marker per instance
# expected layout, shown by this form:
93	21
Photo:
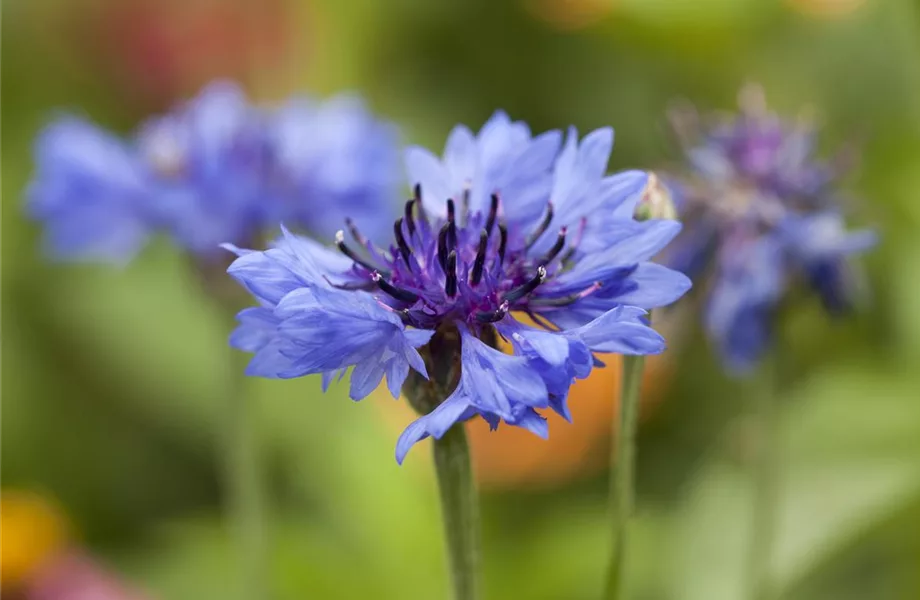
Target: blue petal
740	306
293	263
552	347
496	381
652	285
636	242
90	192
256	329
527	188
558	357
456	408
217	115
639	242
265	278
424	168
822	236
622	192
329	376
340	158
366	376
622	331
326	330
580	167
530	420
461	153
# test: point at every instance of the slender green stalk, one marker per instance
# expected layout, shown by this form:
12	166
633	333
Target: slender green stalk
243	480
765	494
622	465
459	510
244	487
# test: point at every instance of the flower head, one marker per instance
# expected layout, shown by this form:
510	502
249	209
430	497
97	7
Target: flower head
505	224
210	164
216	169
761	212
90	190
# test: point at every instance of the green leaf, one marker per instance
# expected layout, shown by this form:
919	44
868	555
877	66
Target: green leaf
852	438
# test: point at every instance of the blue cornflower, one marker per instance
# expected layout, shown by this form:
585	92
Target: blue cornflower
211	170
90	189
216	169
761	213
506	223
337	156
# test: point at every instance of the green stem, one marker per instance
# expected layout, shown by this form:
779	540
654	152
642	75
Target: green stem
622	465
243	480
244	486
459	510
765	499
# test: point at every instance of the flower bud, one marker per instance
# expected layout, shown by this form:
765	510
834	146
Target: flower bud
656	201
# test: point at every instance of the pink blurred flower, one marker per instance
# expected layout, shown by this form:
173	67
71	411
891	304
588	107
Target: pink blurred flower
73	575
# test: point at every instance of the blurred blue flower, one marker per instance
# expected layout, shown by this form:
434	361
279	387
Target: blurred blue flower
506	223
337	156
91	192
211	166
761	213
214	170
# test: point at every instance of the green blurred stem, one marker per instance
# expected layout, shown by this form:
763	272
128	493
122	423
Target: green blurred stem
622	465
243	479
459	510
244	485
765	493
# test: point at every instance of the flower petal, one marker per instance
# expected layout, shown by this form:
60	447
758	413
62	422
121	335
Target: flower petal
455	409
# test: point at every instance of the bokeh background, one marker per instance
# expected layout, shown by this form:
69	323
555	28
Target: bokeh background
113	380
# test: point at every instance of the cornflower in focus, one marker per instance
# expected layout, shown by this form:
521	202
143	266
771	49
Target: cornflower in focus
216	169
506	224
762	214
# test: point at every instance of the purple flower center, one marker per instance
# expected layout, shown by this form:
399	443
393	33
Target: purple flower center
468	267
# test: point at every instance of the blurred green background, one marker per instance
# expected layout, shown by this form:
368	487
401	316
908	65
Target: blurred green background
113	380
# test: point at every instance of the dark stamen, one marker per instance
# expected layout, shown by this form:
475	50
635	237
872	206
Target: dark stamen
465	206
567	300
533	237
493	315
493	214
410	221
502	242
541	321
557	247
404	248
340	244
524	289
417	198
405	317
350	286
476	275
450	286
442	245
355	233
574	246
452	223
387	287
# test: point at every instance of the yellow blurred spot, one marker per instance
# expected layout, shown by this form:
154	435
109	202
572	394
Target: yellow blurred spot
32	530
825	9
